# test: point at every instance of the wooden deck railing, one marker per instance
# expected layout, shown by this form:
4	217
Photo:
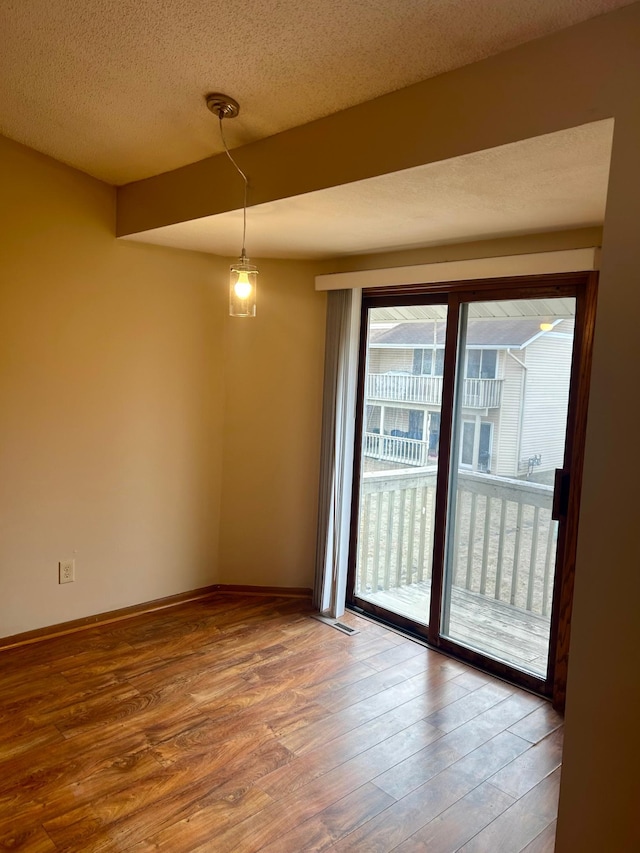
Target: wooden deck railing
392	448
504	545
407	388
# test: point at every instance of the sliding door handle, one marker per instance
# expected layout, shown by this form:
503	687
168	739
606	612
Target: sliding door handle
560	504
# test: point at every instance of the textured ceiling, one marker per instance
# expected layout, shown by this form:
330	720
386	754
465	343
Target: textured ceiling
115	87
549	182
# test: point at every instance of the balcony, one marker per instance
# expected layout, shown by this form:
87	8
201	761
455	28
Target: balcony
407	388
503	558
399	449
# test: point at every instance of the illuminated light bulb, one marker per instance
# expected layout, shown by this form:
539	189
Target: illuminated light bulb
242	286
546	327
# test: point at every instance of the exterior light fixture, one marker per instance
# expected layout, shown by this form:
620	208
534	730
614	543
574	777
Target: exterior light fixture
244	275
546	327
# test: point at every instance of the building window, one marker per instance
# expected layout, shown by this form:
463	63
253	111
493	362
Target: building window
434	433
428	362
373	418
482	363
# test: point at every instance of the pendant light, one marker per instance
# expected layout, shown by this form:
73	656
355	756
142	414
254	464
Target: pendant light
243	275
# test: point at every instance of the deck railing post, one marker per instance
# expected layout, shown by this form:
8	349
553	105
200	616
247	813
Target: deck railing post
514	524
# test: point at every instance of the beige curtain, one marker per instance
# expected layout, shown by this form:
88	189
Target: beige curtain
336	471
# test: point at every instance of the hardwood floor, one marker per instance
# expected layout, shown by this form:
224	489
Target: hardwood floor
241	724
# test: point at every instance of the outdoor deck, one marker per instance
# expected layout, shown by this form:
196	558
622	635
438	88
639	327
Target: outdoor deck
507	633
503	558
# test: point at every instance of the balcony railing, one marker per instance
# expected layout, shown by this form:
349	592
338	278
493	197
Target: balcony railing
391	448
407	388
505	538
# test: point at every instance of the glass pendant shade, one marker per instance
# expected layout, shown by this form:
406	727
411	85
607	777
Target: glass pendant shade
242	289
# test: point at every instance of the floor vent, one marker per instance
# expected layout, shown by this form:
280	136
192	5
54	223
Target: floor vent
346	629
340	626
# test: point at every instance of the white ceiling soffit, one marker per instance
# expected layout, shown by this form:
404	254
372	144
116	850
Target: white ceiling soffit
467	269
549	182
547	308
115	87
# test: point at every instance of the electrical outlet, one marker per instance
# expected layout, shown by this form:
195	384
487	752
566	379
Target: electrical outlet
66	571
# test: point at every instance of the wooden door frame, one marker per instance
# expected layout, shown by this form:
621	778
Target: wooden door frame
562	608
582	286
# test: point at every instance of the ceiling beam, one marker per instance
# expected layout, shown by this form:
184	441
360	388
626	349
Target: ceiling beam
563	80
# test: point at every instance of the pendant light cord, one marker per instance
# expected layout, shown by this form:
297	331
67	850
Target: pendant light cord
246	186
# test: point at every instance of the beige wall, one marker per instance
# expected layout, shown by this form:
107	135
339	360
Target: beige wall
600	788
111	403
551	241
144	433
273	373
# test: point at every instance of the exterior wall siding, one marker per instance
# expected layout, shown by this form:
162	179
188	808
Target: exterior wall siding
383	360
545	416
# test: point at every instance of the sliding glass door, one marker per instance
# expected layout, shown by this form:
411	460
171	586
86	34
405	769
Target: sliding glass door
467	435
402	397
502	542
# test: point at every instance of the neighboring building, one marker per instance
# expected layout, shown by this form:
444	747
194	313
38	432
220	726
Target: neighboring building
514	405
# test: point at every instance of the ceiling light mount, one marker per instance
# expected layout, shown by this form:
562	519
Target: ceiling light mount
222	105
243	275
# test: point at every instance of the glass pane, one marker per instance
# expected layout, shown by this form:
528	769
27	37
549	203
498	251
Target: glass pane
399	464
473	364
484	451
468	431
488	364
427	357
508	438
434	434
